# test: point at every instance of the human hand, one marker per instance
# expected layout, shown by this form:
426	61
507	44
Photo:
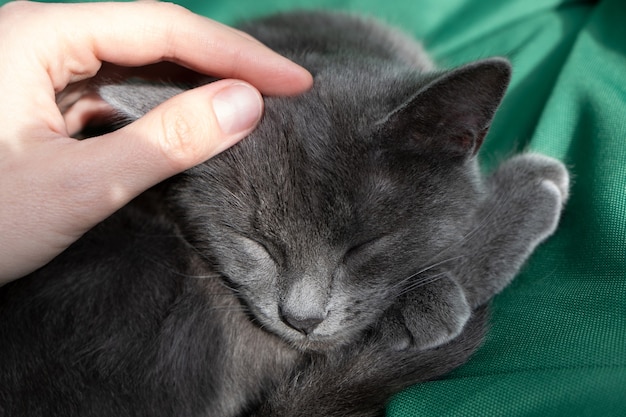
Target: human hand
54	188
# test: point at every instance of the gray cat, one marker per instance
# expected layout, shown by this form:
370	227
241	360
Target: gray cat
344	251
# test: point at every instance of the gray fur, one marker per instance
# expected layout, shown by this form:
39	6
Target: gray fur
342	252
127	103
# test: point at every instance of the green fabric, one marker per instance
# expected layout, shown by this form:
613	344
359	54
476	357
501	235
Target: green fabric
557	346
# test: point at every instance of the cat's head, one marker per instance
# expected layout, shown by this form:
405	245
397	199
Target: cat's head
343	197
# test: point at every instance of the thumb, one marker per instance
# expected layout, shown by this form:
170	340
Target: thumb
176	135
63	187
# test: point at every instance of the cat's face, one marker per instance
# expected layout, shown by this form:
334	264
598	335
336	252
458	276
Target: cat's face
320	222
343	197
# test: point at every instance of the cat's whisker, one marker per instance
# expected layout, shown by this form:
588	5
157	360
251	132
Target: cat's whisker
402	282
171	269
234	309
421	283
484	221
218	293
231	288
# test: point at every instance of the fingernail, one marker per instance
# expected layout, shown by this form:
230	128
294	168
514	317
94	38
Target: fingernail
238	108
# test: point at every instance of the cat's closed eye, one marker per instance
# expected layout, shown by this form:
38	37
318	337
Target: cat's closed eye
255	249
245	259
362	248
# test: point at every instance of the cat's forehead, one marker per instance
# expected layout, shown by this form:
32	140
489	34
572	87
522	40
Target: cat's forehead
363	91
331	131
339	108
321	153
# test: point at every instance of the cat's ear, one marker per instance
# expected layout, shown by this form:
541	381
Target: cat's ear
134	99
453	112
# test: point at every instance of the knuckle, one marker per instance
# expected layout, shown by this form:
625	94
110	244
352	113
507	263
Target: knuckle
177	13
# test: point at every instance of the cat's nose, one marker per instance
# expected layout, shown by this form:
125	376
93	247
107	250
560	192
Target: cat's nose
303	305
304	325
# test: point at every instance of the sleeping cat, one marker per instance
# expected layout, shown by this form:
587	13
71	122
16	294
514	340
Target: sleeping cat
343	251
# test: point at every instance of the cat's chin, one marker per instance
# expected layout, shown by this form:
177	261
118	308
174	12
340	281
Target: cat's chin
313	344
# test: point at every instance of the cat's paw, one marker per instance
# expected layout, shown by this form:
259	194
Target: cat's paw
534	166
533	189
426	317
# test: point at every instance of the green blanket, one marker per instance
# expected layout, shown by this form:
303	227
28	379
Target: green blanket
558	342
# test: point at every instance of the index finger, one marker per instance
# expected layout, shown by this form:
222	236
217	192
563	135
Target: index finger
140	33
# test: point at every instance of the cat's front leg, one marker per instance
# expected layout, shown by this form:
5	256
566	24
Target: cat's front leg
522	207
430	313
525	197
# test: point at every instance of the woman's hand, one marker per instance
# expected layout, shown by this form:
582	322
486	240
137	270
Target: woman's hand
54	188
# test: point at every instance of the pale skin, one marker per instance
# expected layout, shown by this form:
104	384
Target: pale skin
54	188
